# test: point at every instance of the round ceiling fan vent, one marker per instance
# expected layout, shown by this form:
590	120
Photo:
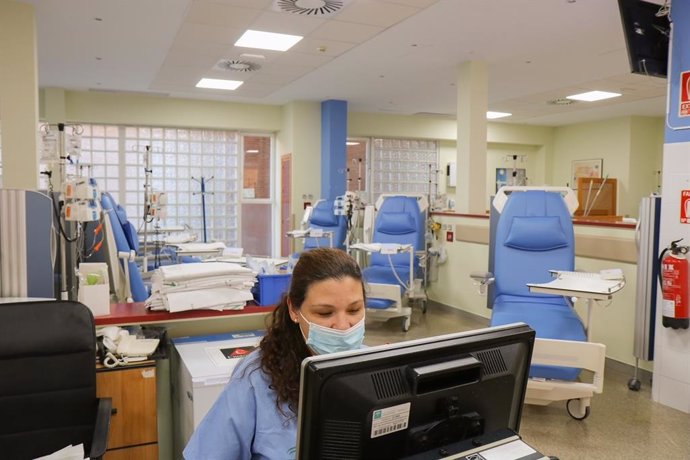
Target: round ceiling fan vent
238	65
310	7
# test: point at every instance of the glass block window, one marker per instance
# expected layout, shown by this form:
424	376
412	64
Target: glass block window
404	166
180	160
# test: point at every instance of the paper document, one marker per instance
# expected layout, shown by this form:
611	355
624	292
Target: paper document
68	453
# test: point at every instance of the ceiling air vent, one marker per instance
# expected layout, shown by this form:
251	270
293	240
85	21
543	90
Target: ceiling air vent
310	7
237	65
561	101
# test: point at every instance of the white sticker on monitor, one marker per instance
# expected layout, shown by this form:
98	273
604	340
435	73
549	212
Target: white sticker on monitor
390	420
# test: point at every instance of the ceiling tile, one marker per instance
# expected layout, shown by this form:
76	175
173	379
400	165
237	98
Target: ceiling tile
200	33
256	4
214	14
286	23
322	47
375	13
346	31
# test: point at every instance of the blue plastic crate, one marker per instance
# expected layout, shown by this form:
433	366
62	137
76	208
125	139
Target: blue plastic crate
270	288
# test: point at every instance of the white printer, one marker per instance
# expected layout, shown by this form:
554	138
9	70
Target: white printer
200	369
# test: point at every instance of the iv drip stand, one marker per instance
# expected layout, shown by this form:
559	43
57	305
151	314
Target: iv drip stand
203	181
147	203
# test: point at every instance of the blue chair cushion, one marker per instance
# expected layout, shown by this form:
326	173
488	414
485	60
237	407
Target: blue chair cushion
536	234
380	304
396	223
550	317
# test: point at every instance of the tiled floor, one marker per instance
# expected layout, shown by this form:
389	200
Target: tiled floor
622	425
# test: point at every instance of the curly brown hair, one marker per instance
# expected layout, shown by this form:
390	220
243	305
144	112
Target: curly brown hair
283	347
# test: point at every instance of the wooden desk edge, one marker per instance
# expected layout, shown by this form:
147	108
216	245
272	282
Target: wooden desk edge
136	313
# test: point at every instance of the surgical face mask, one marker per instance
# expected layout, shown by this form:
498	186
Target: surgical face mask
325	340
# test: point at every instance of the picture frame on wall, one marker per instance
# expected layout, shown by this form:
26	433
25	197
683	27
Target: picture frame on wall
585	168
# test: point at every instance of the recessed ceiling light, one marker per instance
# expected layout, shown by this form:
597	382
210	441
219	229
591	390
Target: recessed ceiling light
494	115
593	96
351	143
267	40
215	83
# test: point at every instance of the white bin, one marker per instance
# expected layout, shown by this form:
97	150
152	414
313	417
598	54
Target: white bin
201	368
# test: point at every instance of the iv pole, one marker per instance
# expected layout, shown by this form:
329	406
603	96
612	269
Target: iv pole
203	181
147	203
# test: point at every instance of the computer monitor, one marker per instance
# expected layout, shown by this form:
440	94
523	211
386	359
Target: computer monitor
427	396
647	32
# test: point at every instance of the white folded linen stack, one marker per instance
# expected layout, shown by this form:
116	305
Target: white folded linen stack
210	285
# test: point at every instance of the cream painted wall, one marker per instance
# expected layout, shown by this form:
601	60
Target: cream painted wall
646	151
120	108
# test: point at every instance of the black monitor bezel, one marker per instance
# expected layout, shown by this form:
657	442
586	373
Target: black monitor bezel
325	365
640	63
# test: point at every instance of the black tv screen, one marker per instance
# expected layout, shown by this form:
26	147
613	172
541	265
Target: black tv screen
647	36
415	398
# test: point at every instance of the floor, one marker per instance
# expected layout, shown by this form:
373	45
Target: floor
623	424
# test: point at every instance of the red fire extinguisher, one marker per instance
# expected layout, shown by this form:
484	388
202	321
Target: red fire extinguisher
674	277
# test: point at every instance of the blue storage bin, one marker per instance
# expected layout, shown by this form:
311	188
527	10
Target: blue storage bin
269	289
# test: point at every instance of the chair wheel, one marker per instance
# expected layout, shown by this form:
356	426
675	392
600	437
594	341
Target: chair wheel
576	415
634	384
406	323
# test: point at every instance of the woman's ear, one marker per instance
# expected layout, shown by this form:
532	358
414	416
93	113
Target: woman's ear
292	312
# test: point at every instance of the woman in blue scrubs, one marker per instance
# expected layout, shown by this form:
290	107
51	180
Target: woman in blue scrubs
255	416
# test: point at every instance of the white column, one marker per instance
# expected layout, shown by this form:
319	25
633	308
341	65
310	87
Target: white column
18	95
473	90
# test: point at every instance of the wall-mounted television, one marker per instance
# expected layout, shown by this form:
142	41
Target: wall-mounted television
647	33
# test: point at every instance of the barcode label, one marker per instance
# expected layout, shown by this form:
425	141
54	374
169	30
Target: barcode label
390	419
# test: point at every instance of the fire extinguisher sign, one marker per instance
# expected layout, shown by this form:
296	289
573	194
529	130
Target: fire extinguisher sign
684	106
685	206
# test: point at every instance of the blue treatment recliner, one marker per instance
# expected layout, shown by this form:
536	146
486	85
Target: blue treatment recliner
323	218
126	241
399	221
534	235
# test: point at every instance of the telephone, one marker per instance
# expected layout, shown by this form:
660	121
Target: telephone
117	346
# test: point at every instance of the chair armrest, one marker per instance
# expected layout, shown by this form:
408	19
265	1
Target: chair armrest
99	443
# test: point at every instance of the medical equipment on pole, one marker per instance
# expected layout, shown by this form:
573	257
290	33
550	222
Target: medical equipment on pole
673	277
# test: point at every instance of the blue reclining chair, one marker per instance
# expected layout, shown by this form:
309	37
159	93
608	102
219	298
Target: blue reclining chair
126	240
323	218
399	220
534	235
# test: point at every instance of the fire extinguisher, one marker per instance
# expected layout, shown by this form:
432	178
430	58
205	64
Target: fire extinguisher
674	277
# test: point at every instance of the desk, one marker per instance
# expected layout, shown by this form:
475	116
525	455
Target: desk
188	323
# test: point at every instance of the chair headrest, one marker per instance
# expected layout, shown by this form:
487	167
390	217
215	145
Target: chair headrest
396	223
324	217
536	234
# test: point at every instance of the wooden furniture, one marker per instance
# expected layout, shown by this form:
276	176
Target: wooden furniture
134	422
187	323
597	196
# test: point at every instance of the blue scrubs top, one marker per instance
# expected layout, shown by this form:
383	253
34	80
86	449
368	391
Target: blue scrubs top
244	423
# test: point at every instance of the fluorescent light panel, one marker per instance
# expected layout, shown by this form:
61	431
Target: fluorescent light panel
351	143
494	115
267	40
592	96
214	83
251	151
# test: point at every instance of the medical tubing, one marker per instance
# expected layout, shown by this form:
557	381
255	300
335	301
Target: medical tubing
62	230
395	273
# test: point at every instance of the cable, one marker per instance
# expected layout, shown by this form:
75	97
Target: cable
395	273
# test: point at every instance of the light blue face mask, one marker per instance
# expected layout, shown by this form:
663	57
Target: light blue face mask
325	340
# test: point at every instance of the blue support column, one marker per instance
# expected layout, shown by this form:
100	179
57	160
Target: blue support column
333	150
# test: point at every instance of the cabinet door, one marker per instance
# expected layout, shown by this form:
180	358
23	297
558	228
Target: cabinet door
134	398
148	452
